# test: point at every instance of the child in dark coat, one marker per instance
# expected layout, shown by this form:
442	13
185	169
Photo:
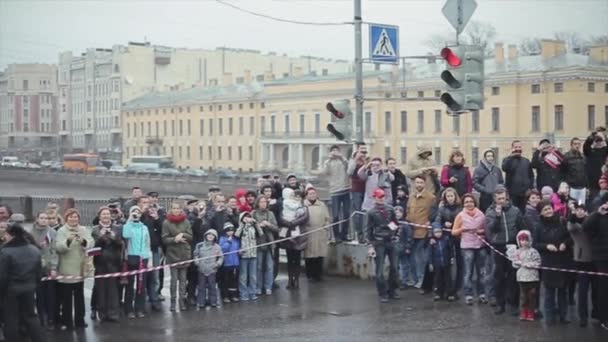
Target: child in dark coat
440	261
229	272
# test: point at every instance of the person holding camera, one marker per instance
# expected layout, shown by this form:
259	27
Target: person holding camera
375	177
248	232
573	168
596	152
547	160
519	176
138	253
335	168
357	190
108	237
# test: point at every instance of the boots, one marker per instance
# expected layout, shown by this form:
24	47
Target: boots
290	284
523	314
172	307
530	316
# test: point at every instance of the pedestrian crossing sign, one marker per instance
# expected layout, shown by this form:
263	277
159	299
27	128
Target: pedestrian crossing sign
384	43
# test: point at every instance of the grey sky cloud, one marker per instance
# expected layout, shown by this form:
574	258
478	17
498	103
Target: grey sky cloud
36	31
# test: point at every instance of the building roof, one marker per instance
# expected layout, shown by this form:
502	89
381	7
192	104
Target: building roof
414	72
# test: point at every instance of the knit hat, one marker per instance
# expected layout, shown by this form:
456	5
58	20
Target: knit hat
133	209
212	232
398	208
378	193
546	191
291	175
437	229
228	226
545	140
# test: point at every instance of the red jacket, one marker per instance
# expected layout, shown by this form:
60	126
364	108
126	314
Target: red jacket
463	185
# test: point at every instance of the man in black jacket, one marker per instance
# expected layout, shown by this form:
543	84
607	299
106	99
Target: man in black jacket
573	169
151	219
547	174
382	233
596	152
519	175
400	178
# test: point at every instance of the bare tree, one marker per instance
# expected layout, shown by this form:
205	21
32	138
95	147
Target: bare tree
480	33
599	40
438	41
529	46
574	40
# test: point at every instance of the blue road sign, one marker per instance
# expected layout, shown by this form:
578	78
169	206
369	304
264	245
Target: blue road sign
384	43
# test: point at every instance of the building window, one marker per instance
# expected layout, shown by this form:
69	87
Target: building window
240	152
210	153
229	152
368	122
605	87
211	127
262	124
240	106
387	122
251	105
535	118
437	93
220	126
251	126
495	90
200	153
172	128
475	121
559	117
558	87
403	155
172	152
302	124
591	87
201	109
26	85
250	152
230	107
202	127
149	128
317	123
219	152
164	128
287	123
188	152
134	130
437	154
437	121
420	121
181	128
456	124
591	117
262	105
387	152
230	126
535	89
241	129
474	156
495	119
420	93
605	116
189	127
403	121
219	108
273	122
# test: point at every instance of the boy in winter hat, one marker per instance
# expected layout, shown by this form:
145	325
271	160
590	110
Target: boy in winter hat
229	272
526	259
210	258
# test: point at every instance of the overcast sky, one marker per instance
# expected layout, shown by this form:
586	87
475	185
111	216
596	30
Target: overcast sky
35	31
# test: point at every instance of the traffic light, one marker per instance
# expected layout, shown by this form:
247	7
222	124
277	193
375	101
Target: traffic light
464	77
342	120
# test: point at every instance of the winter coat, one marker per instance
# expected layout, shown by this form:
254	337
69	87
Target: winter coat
596	157
546	173
531	218
421	209
469	226
526	260
442	252
553	231
218	218
463	185
110	259
20	267
574	170
519	175
582	244
318	216
378	219
155	227
211	257
200	226
502	229
72	255
45	239
445	213
177	251
260	215
229	249
374	181
596	226
416	167
299	223
399	179
248	233
137	237
337	177
486	178
357	184
406	237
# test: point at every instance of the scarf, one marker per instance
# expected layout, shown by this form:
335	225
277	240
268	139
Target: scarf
175	219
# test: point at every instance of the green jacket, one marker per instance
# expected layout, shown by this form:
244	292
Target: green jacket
45	239
181	251
72	255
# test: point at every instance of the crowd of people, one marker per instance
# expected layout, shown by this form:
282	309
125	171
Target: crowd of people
448	230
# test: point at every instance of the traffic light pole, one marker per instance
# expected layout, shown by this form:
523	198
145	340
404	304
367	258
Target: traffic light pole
358	73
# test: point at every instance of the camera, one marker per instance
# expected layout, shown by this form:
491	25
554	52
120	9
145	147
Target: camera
598	138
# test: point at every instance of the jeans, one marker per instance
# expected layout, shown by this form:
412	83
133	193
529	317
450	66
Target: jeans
357	202
207	285
178	274
248	278
579	195
45	301
407	267
383	250
586	283
153	283
475	261
265	269
18	310
562	302
340	204
420	254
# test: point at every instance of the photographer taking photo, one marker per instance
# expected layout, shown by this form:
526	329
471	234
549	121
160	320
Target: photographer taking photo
596	152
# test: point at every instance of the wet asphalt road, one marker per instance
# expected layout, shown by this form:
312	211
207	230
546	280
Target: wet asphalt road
336	310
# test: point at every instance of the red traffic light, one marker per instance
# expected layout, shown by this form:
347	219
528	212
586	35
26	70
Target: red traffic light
450	57
330	107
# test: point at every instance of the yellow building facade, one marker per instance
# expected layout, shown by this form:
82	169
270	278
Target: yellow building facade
281	125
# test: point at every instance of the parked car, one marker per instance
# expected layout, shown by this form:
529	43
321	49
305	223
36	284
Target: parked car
32	166
169	172
226	174
118	169
46	163
56	166
196	173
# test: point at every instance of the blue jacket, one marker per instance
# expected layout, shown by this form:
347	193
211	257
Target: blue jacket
441	252
138	239
231	247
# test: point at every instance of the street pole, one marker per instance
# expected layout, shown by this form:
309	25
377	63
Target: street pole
358	74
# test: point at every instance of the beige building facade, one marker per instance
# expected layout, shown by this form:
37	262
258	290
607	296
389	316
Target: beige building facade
280	125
